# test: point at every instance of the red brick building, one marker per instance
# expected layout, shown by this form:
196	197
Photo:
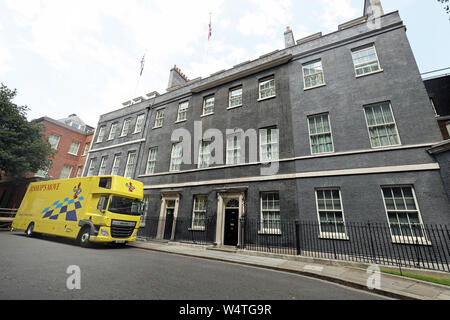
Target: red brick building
71	138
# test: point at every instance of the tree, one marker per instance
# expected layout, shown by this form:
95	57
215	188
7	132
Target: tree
23	149
447	6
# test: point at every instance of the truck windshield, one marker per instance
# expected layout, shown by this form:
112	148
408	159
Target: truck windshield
125	206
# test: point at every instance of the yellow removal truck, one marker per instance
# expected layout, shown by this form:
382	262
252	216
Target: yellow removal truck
89	209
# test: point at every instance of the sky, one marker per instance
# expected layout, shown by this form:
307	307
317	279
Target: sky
84	56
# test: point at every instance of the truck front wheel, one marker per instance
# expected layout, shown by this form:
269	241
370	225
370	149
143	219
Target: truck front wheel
84	236
29	232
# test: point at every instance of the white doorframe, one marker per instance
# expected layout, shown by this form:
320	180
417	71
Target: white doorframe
222	199
165	197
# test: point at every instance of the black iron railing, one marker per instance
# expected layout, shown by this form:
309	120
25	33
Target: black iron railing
415	245
419	246
180	229
6	217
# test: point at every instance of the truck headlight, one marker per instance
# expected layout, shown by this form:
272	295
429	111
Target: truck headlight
104	233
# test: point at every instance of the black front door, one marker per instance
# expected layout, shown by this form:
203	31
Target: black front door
231	227
169	224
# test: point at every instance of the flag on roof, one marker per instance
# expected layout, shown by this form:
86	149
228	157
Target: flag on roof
210	29
142	64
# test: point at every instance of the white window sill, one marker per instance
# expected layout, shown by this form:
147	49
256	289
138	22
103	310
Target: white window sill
157	127
234	107
207	114
318	86
123	135
389	146
270	232
322	153
197	229
333	236
267	98
137	132
181	121
73	154
410	240
369	73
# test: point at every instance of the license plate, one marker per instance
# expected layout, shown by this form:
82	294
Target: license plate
120	241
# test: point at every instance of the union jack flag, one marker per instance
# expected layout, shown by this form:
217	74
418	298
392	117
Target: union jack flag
210	29
142	64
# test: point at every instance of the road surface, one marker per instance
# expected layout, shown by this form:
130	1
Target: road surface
36	268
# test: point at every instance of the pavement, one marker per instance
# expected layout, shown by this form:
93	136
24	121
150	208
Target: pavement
356	275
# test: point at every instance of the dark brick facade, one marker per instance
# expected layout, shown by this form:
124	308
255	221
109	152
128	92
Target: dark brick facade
354	167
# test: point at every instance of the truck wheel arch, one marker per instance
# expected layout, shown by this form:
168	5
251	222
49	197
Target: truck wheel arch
83	223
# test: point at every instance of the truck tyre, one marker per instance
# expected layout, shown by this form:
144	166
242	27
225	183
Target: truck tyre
29	232
84	236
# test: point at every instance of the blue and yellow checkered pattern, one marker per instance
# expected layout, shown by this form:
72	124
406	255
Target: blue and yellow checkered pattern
68	207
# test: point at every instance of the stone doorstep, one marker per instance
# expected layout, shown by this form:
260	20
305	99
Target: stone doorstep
230	249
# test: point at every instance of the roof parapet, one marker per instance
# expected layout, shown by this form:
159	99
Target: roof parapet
310	38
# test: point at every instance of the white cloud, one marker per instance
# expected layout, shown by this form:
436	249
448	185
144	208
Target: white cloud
5	58
265	18
336	12
95	47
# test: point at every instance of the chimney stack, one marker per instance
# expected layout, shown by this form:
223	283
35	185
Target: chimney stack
176	78
373	9
289	38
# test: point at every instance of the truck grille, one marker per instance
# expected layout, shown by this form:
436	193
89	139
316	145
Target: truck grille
122	229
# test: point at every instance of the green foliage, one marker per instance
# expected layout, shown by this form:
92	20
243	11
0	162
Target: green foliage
23	149
447	6
444	281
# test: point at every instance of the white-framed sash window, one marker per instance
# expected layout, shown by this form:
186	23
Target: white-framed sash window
91	168
268	144
313	74
267	88
366	61
208	105
74	147
270	213
403	215
176	157
320	136
129	168
151	160
381	125
102	170
159	119
116	165
199	212
204	154
234	149
182	111
66	171
113	131
235	98
101	134
126	127
139	123
330	213
53	139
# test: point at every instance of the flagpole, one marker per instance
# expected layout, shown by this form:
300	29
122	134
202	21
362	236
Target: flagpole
140	75
205	51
